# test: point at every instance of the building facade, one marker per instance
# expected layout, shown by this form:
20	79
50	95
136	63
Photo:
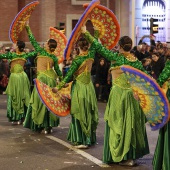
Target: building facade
131	15
48	13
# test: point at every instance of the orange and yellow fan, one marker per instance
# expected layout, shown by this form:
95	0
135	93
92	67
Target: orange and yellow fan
61	43
100	17
18	23
152	98
58	103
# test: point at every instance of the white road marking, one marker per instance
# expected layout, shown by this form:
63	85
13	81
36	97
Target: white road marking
84	154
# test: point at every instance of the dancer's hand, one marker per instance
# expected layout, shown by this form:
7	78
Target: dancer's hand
96	28
83	29
54	90
66	85
97	85
27	23
136	96
165	87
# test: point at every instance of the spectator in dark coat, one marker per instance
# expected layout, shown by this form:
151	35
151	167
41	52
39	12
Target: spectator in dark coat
101	84
157	65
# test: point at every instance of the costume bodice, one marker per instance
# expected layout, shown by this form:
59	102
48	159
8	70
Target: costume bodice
86	66
44	63
19	61
119	78
83	72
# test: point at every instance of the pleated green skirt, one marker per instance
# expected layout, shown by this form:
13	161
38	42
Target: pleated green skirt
77	137
38	117
12	115
132	153
18	92
84	112
125	133
161	159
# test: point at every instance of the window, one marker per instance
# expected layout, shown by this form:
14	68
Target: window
79	2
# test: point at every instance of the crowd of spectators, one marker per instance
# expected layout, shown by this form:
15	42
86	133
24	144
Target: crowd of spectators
153	56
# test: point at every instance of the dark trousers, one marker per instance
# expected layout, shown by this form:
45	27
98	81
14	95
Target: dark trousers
102	92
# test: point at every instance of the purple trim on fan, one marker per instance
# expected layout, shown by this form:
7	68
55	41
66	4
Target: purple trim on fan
156	86
42	99
164	120
16	17
75	28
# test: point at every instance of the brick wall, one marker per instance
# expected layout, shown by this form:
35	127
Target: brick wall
47	13
7	13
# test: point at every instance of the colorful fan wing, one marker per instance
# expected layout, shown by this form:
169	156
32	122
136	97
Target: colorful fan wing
77	29
19	21
57	103
153	100
104	19
61	43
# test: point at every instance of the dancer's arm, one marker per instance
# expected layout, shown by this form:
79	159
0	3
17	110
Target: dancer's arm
165	75
30	54
67	78
8	55
109	55
57	69
32	38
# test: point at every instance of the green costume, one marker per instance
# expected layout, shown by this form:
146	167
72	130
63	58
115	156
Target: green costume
38	117
161	160
18	89
125	133
84	111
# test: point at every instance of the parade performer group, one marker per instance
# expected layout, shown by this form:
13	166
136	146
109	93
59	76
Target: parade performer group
125	138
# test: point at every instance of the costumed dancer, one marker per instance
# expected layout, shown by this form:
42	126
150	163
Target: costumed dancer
84	111
38	117
125	138
162	151
18	89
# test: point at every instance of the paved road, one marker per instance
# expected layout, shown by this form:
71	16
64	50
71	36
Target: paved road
21	149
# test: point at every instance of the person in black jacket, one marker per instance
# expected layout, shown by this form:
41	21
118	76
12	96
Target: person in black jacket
101	85
157	65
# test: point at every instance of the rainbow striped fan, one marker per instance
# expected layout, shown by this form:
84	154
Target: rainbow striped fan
101	17
57	103
152	99
19	21
61	43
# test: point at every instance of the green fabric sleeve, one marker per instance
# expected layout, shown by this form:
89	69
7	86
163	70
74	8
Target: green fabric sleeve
8	55
163	77
74	66
138	65
96	34
99	48
28	55
57	70
32	39
88	37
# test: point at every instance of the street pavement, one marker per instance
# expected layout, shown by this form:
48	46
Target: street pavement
21	149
